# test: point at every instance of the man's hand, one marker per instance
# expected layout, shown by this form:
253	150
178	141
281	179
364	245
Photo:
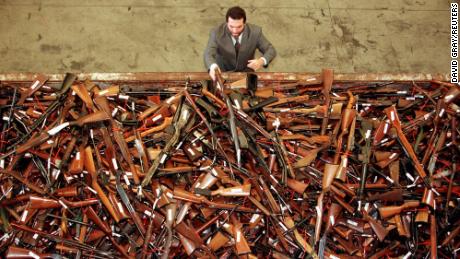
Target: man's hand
212	71
255	64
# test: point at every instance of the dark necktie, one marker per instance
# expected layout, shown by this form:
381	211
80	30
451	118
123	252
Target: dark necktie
237	46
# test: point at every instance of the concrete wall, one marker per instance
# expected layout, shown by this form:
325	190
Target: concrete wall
142	36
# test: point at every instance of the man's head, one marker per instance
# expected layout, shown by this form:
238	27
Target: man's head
236	18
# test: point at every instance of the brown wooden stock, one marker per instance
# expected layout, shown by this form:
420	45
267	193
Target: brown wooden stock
188	245
14	200
77	164
423	216
343	188
91	118
118	206
347	245
388	211
333	213
328	77
84	95
300	240
433	238
112	90
43	203
428	198
147	112
210	222
241	244
319	217
159	115
181	194
152	130
454	233
92	215
384	251
345	205
378	229
293	99
26	182
189	232
243	190
259	205
83	229
69	191
90	167
394	119
296	185
15	252
33	142
452	94
271	200
392	195
217	241
328	175
308	159
343	232
400	226
38	82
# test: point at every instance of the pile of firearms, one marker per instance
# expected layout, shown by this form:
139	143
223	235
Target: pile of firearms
317	169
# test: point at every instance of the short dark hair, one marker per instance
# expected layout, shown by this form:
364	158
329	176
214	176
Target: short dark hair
236	13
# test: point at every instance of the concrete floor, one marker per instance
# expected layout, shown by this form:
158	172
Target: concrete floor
54	36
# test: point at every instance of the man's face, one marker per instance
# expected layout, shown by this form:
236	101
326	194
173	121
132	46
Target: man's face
236	27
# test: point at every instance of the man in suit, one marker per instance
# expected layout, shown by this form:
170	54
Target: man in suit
232	45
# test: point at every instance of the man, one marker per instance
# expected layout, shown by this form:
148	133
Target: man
232	45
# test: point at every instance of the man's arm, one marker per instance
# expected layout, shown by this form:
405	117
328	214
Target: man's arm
210	52
267	49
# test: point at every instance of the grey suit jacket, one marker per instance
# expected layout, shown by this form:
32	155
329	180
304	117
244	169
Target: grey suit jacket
220	48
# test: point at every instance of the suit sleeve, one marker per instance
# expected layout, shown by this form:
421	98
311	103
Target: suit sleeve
267	49
210	52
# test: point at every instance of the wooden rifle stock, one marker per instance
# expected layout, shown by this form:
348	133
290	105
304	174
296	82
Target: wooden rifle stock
378	229
90	167
388	211
328	77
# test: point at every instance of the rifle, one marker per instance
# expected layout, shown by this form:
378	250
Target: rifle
231	118
367	129
393	116
181	119
328	77
388	211
68	80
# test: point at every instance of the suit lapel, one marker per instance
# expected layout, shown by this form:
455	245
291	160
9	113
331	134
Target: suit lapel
244	40
243	46
229	42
